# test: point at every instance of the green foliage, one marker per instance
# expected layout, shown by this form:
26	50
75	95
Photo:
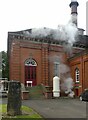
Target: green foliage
36	92
0	60
3	108
5	65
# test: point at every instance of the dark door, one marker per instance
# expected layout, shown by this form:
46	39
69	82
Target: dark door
30	75
76	92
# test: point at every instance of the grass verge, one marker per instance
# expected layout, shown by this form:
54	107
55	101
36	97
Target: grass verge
26	113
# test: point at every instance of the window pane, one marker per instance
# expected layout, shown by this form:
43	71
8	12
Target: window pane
77	74
56	69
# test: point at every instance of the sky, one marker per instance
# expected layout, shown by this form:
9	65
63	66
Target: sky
16	15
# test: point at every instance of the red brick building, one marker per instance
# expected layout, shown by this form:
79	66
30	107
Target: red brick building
38	59
35	60
79	71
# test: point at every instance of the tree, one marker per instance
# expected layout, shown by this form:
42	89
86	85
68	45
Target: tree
5	65
0	65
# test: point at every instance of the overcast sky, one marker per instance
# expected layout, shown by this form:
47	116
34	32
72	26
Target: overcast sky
16	15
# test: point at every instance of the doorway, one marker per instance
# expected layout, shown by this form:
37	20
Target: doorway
30	72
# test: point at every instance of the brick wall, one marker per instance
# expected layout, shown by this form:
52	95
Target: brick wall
15	61
80	62
43	54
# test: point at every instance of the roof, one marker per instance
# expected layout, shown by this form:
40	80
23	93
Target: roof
81	40
85	52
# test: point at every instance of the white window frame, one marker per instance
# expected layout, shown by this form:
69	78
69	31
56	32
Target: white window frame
77	75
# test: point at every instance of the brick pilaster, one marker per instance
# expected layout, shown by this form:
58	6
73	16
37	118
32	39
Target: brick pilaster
15	62
45	66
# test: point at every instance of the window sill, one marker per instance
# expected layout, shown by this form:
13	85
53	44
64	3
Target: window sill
77	82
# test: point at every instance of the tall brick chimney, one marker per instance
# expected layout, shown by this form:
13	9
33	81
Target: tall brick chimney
73	5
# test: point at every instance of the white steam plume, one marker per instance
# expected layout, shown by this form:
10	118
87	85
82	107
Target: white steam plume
68	84
56	58
63	71
64	68
67	87
65	33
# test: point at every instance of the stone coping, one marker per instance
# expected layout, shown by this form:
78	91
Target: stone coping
25	91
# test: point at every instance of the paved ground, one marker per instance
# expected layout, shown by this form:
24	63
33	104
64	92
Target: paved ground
57	108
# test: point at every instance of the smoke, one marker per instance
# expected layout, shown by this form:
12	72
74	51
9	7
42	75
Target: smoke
41	32
71	94
66	80
63	71
58	59
67	87
65	33
68	84
73	19
64	68
55	58
68	48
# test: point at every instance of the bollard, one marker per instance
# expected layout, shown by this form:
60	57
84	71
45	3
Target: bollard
14	98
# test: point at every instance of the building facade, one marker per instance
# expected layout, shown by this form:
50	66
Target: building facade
36	60
79	71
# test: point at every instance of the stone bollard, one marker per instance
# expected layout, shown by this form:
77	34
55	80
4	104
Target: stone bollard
14	98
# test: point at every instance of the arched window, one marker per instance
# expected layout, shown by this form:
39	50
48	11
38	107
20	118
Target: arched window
30	62
77	75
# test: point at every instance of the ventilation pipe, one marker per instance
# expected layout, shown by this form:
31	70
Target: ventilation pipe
56	86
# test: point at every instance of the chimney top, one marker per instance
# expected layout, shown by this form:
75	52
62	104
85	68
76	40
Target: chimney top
74	2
